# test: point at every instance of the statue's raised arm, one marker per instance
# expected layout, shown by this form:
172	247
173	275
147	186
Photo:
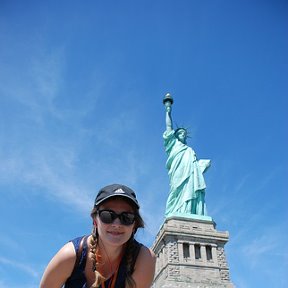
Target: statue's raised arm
187	185
168	101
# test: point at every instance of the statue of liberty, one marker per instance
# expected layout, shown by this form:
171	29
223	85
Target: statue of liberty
187	185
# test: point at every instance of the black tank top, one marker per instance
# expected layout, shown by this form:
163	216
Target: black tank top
78	279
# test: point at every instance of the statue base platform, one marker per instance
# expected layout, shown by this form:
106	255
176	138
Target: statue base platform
190	253
177	215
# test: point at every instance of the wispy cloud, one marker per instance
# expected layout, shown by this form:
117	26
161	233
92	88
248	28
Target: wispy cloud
33	83
4	284
19	266
10	243
257	242
45	158
260	247
232	195
53	172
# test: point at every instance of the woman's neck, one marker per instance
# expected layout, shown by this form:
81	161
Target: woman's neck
111	254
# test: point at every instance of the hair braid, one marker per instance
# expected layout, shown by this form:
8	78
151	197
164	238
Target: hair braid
93	255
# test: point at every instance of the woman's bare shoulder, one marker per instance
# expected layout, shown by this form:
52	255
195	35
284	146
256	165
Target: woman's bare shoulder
147	253
60	267
144	268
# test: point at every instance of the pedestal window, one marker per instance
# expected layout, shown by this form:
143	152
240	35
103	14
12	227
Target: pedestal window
209	252
186	251
197	249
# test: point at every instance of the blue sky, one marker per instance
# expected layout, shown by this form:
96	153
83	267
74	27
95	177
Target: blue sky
81	88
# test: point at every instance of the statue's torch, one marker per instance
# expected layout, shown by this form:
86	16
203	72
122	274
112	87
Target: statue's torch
168	100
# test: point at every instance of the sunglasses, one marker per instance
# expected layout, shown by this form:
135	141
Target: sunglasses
108	217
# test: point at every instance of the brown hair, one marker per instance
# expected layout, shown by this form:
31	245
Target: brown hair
129	250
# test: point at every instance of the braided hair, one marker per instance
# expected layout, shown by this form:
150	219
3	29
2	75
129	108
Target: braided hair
93	244
130	249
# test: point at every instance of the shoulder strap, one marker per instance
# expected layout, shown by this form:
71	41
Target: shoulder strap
77	278
79	252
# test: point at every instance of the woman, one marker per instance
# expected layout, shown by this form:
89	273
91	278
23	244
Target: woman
110	256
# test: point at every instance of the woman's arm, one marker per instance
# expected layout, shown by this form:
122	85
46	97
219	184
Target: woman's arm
144	268
59	268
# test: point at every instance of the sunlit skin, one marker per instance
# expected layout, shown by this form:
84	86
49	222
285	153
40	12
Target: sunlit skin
114	234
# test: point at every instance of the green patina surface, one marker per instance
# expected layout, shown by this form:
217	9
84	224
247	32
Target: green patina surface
187	184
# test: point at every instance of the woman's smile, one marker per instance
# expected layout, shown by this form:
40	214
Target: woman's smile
115	233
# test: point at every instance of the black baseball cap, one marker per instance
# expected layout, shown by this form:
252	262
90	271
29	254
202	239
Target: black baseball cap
114	190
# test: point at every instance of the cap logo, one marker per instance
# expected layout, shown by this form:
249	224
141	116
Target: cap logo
119	191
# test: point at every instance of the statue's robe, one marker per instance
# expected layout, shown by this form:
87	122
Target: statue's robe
187	185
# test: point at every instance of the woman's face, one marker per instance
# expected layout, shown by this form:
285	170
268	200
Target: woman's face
114	234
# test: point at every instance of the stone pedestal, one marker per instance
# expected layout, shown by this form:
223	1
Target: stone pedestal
190	253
